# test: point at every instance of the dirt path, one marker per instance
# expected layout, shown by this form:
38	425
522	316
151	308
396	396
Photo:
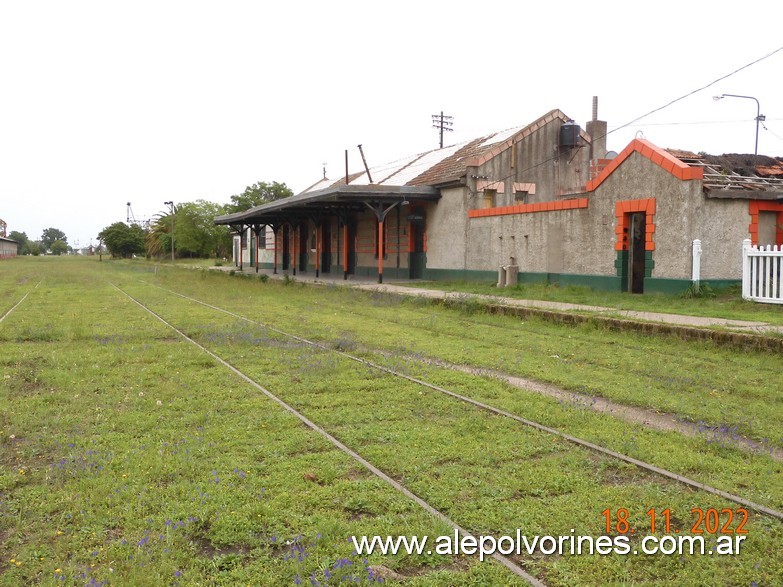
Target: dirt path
634	415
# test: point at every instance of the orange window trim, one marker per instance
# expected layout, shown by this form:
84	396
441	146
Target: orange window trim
756	206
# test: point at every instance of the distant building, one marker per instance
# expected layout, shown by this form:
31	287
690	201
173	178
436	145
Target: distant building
8	248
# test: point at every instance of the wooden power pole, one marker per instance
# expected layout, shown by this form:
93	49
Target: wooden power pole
444	123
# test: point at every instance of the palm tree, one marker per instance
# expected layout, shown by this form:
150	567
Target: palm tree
159	237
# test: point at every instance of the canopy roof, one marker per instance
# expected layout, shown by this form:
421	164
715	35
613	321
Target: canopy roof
333	200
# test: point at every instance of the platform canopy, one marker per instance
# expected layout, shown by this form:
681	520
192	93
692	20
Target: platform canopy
331	201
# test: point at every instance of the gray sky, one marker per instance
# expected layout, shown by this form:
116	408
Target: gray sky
108	102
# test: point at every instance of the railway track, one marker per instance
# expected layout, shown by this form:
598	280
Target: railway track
503	560
19	303
277	357
651	468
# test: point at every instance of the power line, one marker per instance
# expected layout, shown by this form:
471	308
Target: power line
742	121
712	83
553	158
770	132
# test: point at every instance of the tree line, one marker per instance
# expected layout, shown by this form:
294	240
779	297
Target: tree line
195	234
53	241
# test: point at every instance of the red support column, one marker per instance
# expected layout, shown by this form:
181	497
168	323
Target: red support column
296	238
317	249
345	251
274	266
257	252
380	251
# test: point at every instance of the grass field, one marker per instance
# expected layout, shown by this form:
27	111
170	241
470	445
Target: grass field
722	303
132	457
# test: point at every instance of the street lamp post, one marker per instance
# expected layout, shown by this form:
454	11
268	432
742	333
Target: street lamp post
171	207
759	116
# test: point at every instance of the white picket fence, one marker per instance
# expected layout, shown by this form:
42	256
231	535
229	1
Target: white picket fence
762	273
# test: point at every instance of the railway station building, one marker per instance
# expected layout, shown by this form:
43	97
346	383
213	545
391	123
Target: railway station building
546	199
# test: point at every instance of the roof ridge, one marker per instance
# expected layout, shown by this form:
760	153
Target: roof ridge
654	153
459	155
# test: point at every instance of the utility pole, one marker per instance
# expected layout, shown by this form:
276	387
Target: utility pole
444	123
759	116
171	207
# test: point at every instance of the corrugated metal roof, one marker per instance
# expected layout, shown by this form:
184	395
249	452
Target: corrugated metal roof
319	185
382	173
432	167
421	165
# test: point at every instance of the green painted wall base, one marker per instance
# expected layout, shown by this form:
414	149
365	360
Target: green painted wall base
388	272
678	286
597	282
337	271
250	268
459	275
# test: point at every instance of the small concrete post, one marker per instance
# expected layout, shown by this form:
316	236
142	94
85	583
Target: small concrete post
501	276
696	269
512	273
746	246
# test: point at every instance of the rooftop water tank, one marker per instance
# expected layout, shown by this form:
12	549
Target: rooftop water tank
569	134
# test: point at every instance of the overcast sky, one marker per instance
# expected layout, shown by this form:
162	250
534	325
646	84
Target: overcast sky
106	102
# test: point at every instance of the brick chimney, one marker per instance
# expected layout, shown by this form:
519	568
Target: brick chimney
597	131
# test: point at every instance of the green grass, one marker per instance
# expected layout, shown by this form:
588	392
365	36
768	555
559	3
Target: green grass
722	388
724	303
138	460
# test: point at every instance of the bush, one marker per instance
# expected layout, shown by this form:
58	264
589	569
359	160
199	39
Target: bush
263	278
700	291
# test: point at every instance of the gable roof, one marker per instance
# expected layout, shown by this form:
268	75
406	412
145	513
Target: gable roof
723	176
661	157
443	166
